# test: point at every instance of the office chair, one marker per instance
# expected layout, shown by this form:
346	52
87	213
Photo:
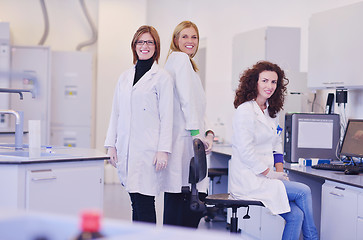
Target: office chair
198	171
213	212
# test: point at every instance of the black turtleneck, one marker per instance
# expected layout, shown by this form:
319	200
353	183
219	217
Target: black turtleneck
142	66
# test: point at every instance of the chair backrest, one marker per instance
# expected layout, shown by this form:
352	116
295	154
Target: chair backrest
198	164
197	172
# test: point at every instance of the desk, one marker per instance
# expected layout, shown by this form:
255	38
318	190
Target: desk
223	149
65	182
352	180
316	180
331	209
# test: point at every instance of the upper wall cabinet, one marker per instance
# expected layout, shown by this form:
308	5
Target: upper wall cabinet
280	45
336	48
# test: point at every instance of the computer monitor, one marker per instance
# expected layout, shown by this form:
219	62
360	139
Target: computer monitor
352	145
310	135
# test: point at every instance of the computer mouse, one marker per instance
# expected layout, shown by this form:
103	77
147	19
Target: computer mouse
351	171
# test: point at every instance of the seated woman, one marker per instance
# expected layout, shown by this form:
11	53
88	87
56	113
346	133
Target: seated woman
257	150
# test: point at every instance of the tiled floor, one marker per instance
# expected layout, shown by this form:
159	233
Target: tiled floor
117	205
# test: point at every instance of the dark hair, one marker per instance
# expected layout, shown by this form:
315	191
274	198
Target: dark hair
146	29
247	88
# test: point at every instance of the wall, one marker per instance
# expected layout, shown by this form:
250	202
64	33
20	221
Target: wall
218	22
119	20
68	27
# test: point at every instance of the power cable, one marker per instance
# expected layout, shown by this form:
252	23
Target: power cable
46	23
93	28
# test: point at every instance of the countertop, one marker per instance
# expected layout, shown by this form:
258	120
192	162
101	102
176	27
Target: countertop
57	154
353	180
225	149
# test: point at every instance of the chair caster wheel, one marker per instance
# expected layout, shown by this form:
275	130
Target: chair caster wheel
228	226
207	219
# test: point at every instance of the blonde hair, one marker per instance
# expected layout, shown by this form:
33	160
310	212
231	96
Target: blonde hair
146	29
174	47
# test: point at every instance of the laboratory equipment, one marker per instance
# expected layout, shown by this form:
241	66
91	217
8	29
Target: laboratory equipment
309	135
90	226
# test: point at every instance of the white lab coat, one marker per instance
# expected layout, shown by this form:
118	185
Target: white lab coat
189	114
140	125
254	140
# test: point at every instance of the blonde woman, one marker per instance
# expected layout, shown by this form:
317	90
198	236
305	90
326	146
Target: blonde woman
189	123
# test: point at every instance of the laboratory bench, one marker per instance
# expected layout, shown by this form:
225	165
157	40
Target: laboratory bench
34	225
61	180
337	201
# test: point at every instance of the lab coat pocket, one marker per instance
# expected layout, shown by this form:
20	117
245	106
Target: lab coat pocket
150	111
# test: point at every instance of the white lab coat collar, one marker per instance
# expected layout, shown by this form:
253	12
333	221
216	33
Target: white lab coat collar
261	115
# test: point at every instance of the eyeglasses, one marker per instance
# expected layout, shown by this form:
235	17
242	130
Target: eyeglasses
148	42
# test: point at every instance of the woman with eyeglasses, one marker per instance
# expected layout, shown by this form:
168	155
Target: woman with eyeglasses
139	136
189	123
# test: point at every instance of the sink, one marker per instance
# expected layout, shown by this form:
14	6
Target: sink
26	154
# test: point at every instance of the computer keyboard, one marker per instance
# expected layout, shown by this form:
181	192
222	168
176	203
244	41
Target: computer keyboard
337	167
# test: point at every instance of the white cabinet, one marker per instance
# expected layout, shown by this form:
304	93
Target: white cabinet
67	188
360	216
250	226
359	228
70	123
262	224
62	187
335	48
339	209
272	226
280	45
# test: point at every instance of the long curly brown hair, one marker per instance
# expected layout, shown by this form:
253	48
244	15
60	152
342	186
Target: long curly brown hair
247	88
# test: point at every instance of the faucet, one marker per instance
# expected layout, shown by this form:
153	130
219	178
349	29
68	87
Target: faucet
19	121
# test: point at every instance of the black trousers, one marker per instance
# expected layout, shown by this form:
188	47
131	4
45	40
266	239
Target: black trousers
143	208
177	210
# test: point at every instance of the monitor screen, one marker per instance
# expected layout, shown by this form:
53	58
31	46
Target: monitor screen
352	145
315	133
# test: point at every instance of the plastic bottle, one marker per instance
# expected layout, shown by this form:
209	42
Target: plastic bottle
90	226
